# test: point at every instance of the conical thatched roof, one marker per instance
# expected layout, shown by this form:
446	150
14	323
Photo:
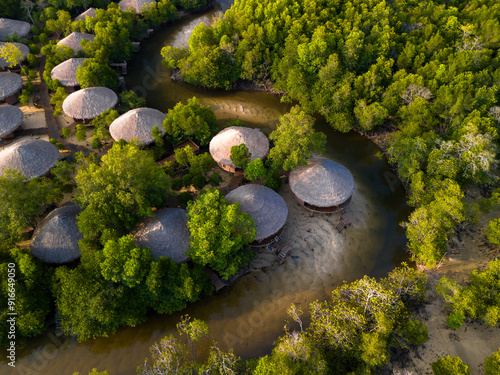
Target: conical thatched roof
22	47
220	145
88	13
32	157
136	4
65	72
322	182
10	83
56	238
89	103
267	208
10	27
10	119
165	234
137	123
74	39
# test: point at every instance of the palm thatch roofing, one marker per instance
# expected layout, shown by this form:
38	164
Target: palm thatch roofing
10	119
10	27
220	145
32	157
56	238
89	103
22	47
65	72
166	234
90	13
10	83
74	39
322	182
137	123
267	208
136	4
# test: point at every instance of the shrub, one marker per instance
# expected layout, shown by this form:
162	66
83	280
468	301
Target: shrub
66	132
59	145
96	142
177	184
215	179
184	198
187	179
67	188
492	364
450	366
32	60
199	181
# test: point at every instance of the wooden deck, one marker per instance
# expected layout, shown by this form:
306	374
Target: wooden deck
215	279
282	249
344	221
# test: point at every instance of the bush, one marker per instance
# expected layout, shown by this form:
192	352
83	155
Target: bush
170	167
455	319
67	188
273	180
32	60
492	364
187	179
44	39
53	141
215	179
96	142
199	181
24	98
66	132
177	184
81	132
450	366
59	145
184	198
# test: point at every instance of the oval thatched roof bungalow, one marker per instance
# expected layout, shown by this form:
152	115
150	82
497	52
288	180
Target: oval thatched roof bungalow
220	145
10	84
65	72
322	185
166	234
267	208
89	103
32	157
22	47
137	123
11	118
10	27
74	39
56	238
89	13
136	4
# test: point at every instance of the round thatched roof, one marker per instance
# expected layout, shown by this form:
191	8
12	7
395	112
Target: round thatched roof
136	4
322	182
22	47
10	83
166	234
65	72
74	39
32	157
10	119
89	103
137	123
220	145
10	27
267	208
90	13
56	238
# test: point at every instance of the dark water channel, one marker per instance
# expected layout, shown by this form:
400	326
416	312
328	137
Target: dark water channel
249	316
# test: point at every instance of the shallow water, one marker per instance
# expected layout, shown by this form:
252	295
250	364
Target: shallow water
250	315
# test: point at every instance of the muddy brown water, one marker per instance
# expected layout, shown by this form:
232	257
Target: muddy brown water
248	316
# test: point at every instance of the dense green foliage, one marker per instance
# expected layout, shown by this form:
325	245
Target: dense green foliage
492	364
240	155
130	100
478	300
94	73
450	366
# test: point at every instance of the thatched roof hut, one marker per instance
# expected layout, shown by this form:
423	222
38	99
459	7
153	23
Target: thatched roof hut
22	47
137	123
166	234
10	84
11	118
65	72
267	208
220	145
10	27
74	39
136	4
56	238
32	157
89	103
89	13
322	185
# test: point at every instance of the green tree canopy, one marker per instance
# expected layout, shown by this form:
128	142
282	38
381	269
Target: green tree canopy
93	73
240	155
11	54
450	366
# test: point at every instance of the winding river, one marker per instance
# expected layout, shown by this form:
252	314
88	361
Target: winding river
248	316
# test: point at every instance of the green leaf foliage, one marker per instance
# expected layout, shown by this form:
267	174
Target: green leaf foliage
450	366
94	73
492	364
240	155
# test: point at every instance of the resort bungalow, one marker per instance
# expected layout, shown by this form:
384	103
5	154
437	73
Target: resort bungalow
136	4
88	103
65	72
10	27
220	145
32	157
137	123
74	41
267	208
22	47
166	234
10	85
11	118
56	238
322	185
89	13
